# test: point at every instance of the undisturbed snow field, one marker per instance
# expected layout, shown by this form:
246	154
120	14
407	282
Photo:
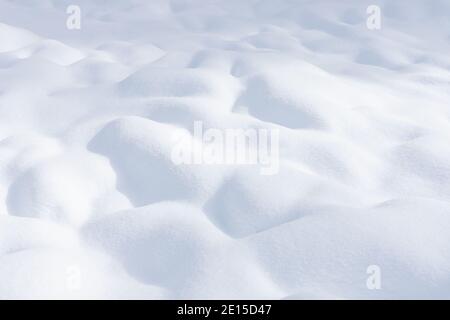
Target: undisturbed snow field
92	205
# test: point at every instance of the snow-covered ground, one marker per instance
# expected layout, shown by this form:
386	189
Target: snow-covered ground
93	205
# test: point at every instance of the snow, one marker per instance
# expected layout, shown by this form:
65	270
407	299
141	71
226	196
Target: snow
93	206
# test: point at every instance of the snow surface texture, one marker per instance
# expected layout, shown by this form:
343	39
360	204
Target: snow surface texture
91	205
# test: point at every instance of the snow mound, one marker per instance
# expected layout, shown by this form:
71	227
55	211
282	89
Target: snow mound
15	38
95	204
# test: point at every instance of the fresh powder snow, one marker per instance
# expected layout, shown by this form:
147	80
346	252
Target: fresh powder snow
234	149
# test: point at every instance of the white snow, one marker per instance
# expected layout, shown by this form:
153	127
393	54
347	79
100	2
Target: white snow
92	205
